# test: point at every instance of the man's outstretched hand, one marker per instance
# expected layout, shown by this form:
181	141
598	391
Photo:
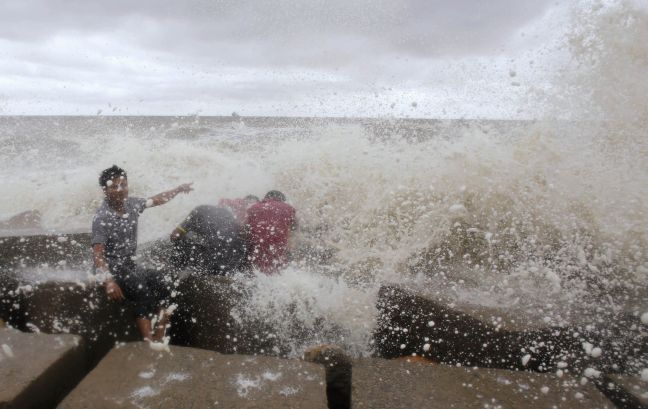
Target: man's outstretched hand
185	187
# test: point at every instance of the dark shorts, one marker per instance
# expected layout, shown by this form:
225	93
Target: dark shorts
146	289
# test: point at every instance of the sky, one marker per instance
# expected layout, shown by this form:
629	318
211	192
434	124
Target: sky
416	58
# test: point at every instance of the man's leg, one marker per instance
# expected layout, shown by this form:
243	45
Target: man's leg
144	326
161	325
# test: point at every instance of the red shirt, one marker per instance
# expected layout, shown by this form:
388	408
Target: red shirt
270	223
238	207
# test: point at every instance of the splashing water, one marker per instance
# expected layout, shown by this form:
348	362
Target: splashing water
488	212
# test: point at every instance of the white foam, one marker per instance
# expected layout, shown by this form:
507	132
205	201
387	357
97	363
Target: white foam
244	385
8	351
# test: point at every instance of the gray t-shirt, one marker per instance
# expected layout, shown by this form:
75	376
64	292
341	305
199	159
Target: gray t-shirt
118	233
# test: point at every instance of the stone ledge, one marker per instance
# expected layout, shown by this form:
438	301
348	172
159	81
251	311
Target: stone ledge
379	383
37	370
634	386
135	376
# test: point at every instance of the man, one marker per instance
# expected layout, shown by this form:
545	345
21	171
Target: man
239	207
269	224
210	240
114	242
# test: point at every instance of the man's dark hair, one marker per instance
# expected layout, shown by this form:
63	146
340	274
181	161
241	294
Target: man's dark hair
275	195
110	174
251	197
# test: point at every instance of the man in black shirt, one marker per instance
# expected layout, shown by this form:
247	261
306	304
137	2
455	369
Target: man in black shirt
210	240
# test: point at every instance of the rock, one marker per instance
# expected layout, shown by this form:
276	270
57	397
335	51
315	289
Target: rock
135	376
37	370
379	383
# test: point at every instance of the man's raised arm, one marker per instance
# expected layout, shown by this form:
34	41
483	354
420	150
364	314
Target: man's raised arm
162	198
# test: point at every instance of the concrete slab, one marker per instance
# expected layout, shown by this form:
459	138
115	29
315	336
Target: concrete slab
203	319
379	383
10	301
135	376
20	248
632	385
73	308
410	323
37	370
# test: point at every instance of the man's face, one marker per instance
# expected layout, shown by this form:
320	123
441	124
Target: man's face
116	190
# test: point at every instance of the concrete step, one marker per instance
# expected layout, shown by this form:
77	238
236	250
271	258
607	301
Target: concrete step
24	248
85	310
379	383
631	391
38	370
203	319
136	376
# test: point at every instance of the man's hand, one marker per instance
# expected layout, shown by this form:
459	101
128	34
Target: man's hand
164	197
185	187
113	291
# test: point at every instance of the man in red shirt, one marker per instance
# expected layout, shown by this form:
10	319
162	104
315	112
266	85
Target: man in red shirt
269	224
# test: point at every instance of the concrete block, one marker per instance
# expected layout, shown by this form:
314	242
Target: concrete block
135	376
23	248
339	372
379	383
70	308
410	323
203	318
10	299
634	386
37	370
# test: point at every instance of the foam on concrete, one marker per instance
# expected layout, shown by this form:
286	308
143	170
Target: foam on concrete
136	376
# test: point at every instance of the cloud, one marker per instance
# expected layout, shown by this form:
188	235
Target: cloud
247	52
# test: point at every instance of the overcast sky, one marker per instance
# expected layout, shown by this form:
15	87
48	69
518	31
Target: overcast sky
421	58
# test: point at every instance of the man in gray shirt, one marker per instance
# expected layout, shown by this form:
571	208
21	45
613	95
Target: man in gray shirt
114	242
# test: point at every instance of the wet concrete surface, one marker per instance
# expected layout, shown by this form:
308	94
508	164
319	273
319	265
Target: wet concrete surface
411	323
379	383
634	386
85	310
38	370
26	248
136	376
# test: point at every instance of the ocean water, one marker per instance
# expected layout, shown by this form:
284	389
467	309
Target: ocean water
549	214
